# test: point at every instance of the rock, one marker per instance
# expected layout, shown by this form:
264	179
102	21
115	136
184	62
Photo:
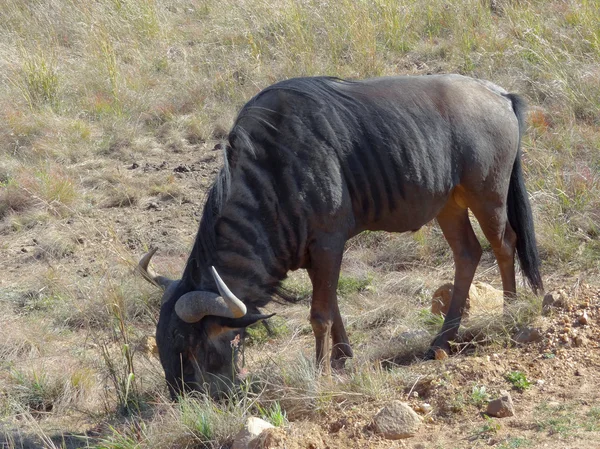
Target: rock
583	318
482	299
547	303
413	335
396	421
272	438
148	345
579	341
555	299
528	335
501	407
423	408
247	438
440	302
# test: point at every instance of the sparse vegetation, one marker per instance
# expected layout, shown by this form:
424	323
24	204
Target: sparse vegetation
479	396
491	427
274	414
514	443
109	112
260	333
518	380
557	419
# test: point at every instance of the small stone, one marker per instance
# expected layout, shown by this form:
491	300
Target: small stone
246	438
501	407
547	303
397	421
528	335
426	408
583	319
440	354
564	338
579	341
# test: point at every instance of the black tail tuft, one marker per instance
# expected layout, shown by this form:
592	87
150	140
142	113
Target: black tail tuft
520	216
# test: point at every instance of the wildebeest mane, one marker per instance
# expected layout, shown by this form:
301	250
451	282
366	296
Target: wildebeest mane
321	90
205	246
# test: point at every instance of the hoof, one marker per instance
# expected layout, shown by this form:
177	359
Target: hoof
437	352
339	365
430	354
340	354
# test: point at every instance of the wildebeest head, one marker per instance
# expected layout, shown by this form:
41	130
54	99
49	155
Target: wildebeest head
197	332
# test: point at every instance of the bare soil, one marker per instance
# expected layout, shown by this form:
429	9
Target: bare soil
560	409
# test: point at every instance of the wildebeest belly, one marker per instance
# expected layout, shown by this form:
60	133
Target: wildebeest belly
409	215
398	183
411	211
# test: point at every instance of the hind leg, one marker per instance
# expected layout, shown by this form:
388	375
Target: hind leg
494	223
455	224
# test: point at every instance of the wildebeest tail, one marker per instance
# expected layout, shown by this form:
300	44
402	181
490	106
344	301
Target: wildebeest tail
520	216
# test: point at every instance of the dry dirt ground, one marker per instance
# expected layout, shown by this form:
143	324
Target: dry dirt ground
559	409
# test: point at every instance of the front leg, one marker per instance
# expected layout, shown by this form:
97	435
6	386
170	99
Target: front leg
326	259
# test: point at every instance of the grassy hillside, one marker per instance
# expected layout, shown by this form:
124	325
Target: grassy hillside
109	113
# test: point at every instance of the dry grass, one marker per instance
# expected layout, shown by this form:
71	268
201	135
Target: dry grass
92	89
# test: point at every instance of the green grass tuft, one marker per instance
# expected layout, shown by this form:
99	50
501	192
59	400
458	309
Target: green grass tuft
518	380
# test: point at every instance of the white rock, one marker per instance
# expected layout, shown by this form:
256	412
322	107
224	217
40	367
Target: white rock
482	299
246	438
397	420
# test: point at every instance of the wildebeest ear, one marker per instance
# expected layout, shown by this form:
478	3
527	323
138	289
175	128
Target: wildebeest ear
218	325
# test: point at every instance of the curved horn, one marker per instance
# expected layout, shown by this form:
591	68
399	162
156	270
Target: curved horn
148	274
237	307
194	306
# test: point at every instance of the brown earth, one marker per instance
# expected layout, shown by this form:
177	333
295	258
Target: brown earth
560	409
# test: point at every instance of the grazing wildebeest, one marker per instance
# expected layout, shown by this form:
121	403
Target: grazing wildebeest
311	162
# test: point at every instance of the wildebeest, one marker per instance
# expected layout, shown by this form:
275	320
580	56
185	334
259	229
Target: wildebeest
312	162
